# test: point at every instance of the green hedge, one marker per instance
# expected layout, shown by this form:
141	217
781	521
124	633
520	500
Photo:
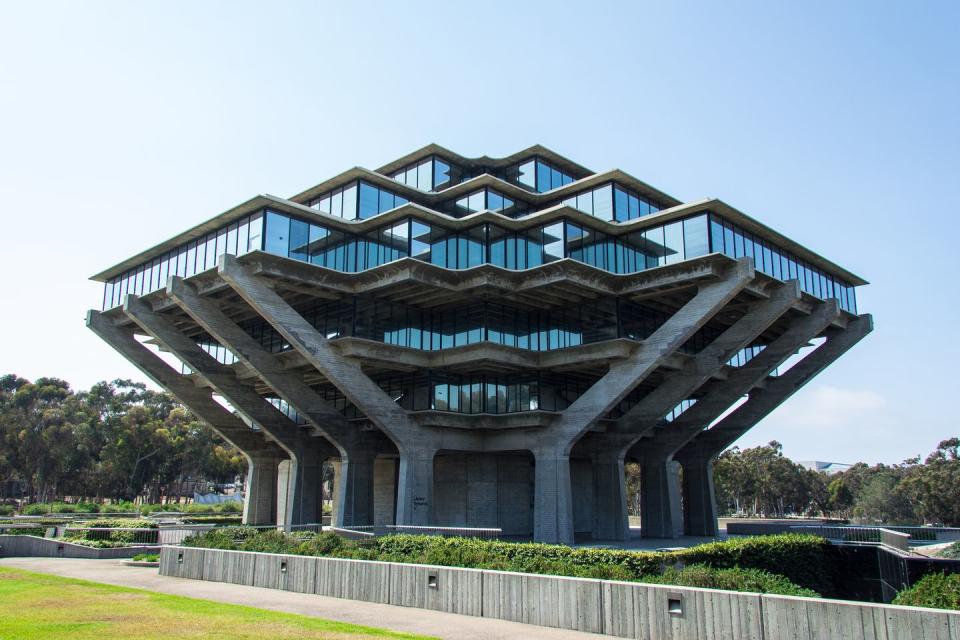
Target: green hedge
935	590
214	519
802	561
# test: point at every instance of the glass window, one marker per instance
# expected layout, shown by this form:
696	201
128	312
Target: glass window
369	201
716	235
603	203
543	177
527	174
256	233
695	237
553	242
673	242
621	206
441	173
277	234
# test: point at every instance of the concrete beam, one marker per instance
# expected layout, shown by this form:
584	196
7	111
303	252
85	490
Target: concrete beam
357	448
263	456
722	395
198	401
305	452
761	402
679	385
553	511
415	444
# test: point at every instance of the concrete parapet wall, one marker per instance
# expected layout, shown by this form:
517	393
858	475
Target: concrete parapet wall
36	547
438	588
353	579
549	601
622	609
633	610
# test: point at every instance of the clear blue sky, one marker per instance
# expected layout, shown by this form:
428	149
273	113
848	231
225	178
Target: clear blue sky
124	123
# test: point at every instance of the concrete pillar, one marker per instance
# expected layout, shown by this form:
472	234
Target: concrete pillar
415	488
335	498
304	504
354	490
260	502
553	502
699	501
661	514
610	518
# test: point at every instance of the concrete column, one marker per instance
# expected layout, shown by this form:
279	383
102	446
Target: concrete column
610	518
304	505
553	500
260	504
699	500
415	488
335	498
354	490
661	514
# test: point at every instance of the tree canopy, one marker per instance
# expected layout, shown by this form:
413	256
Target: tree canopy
117	441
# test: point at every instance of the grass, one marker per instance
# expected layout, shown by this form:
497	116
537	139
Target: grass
41	607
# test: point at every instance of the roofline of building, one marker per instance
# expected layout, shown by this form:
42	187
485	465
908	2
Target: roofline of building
539	217
477	182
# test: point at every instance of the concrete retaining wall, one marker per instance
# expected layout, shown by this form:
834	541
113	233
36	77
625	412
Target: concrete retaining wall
35	547
623	609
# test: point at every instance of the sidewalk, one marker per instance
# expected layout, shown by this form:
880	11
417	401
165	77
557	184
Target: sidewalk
431	623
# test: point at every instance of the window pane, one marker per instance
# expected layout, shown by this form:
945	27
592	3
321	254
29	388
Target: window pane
369	201
349	210
603	203
277	234
673	242
553	242
441	173
256	233
695	237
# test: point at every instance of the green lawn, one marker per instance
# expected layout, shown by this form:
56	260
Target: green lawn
35	605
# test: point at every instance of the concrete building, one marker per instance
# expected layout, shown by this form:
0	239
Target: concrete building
481	342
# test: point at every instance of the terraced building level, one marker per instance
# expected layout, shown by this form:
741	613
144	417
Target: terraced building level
482	342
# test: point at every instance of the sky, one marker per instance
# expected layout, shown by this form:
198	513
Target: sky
123	124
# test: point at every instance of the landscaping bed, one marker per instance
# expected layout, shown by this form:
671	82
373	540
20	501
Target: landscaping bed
787	564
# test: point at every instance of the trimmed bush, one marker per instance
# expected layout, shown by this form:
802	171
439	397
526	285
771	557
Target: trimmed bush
952	552
718	562
6	509
752	580
935	590
219	520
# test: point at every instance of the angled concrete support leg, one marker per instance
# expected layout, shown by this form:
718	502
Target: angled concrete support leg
415	488
260	507
610	518
354	491
306	453
553	499
661	514
699	500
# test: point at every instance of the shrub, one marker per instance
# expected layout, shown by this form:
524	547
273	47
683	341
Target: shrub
737	579
6	509
935	590
36	509
805	560
719	568
952	552
118	523
147	557
26	531
214	519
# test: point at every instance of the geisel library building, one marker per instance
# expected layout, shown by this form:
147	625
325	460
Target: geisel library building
479	342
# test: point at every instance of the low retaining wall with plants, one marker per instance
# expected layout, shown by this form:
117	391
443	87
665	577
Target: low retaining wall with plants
623	609
34	547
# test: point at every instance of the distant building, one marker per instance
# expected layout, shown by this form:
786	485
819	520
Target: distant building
481	342
827	467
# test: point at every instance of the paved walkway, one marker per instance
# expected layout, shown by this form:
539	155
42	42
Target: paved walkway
431	623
